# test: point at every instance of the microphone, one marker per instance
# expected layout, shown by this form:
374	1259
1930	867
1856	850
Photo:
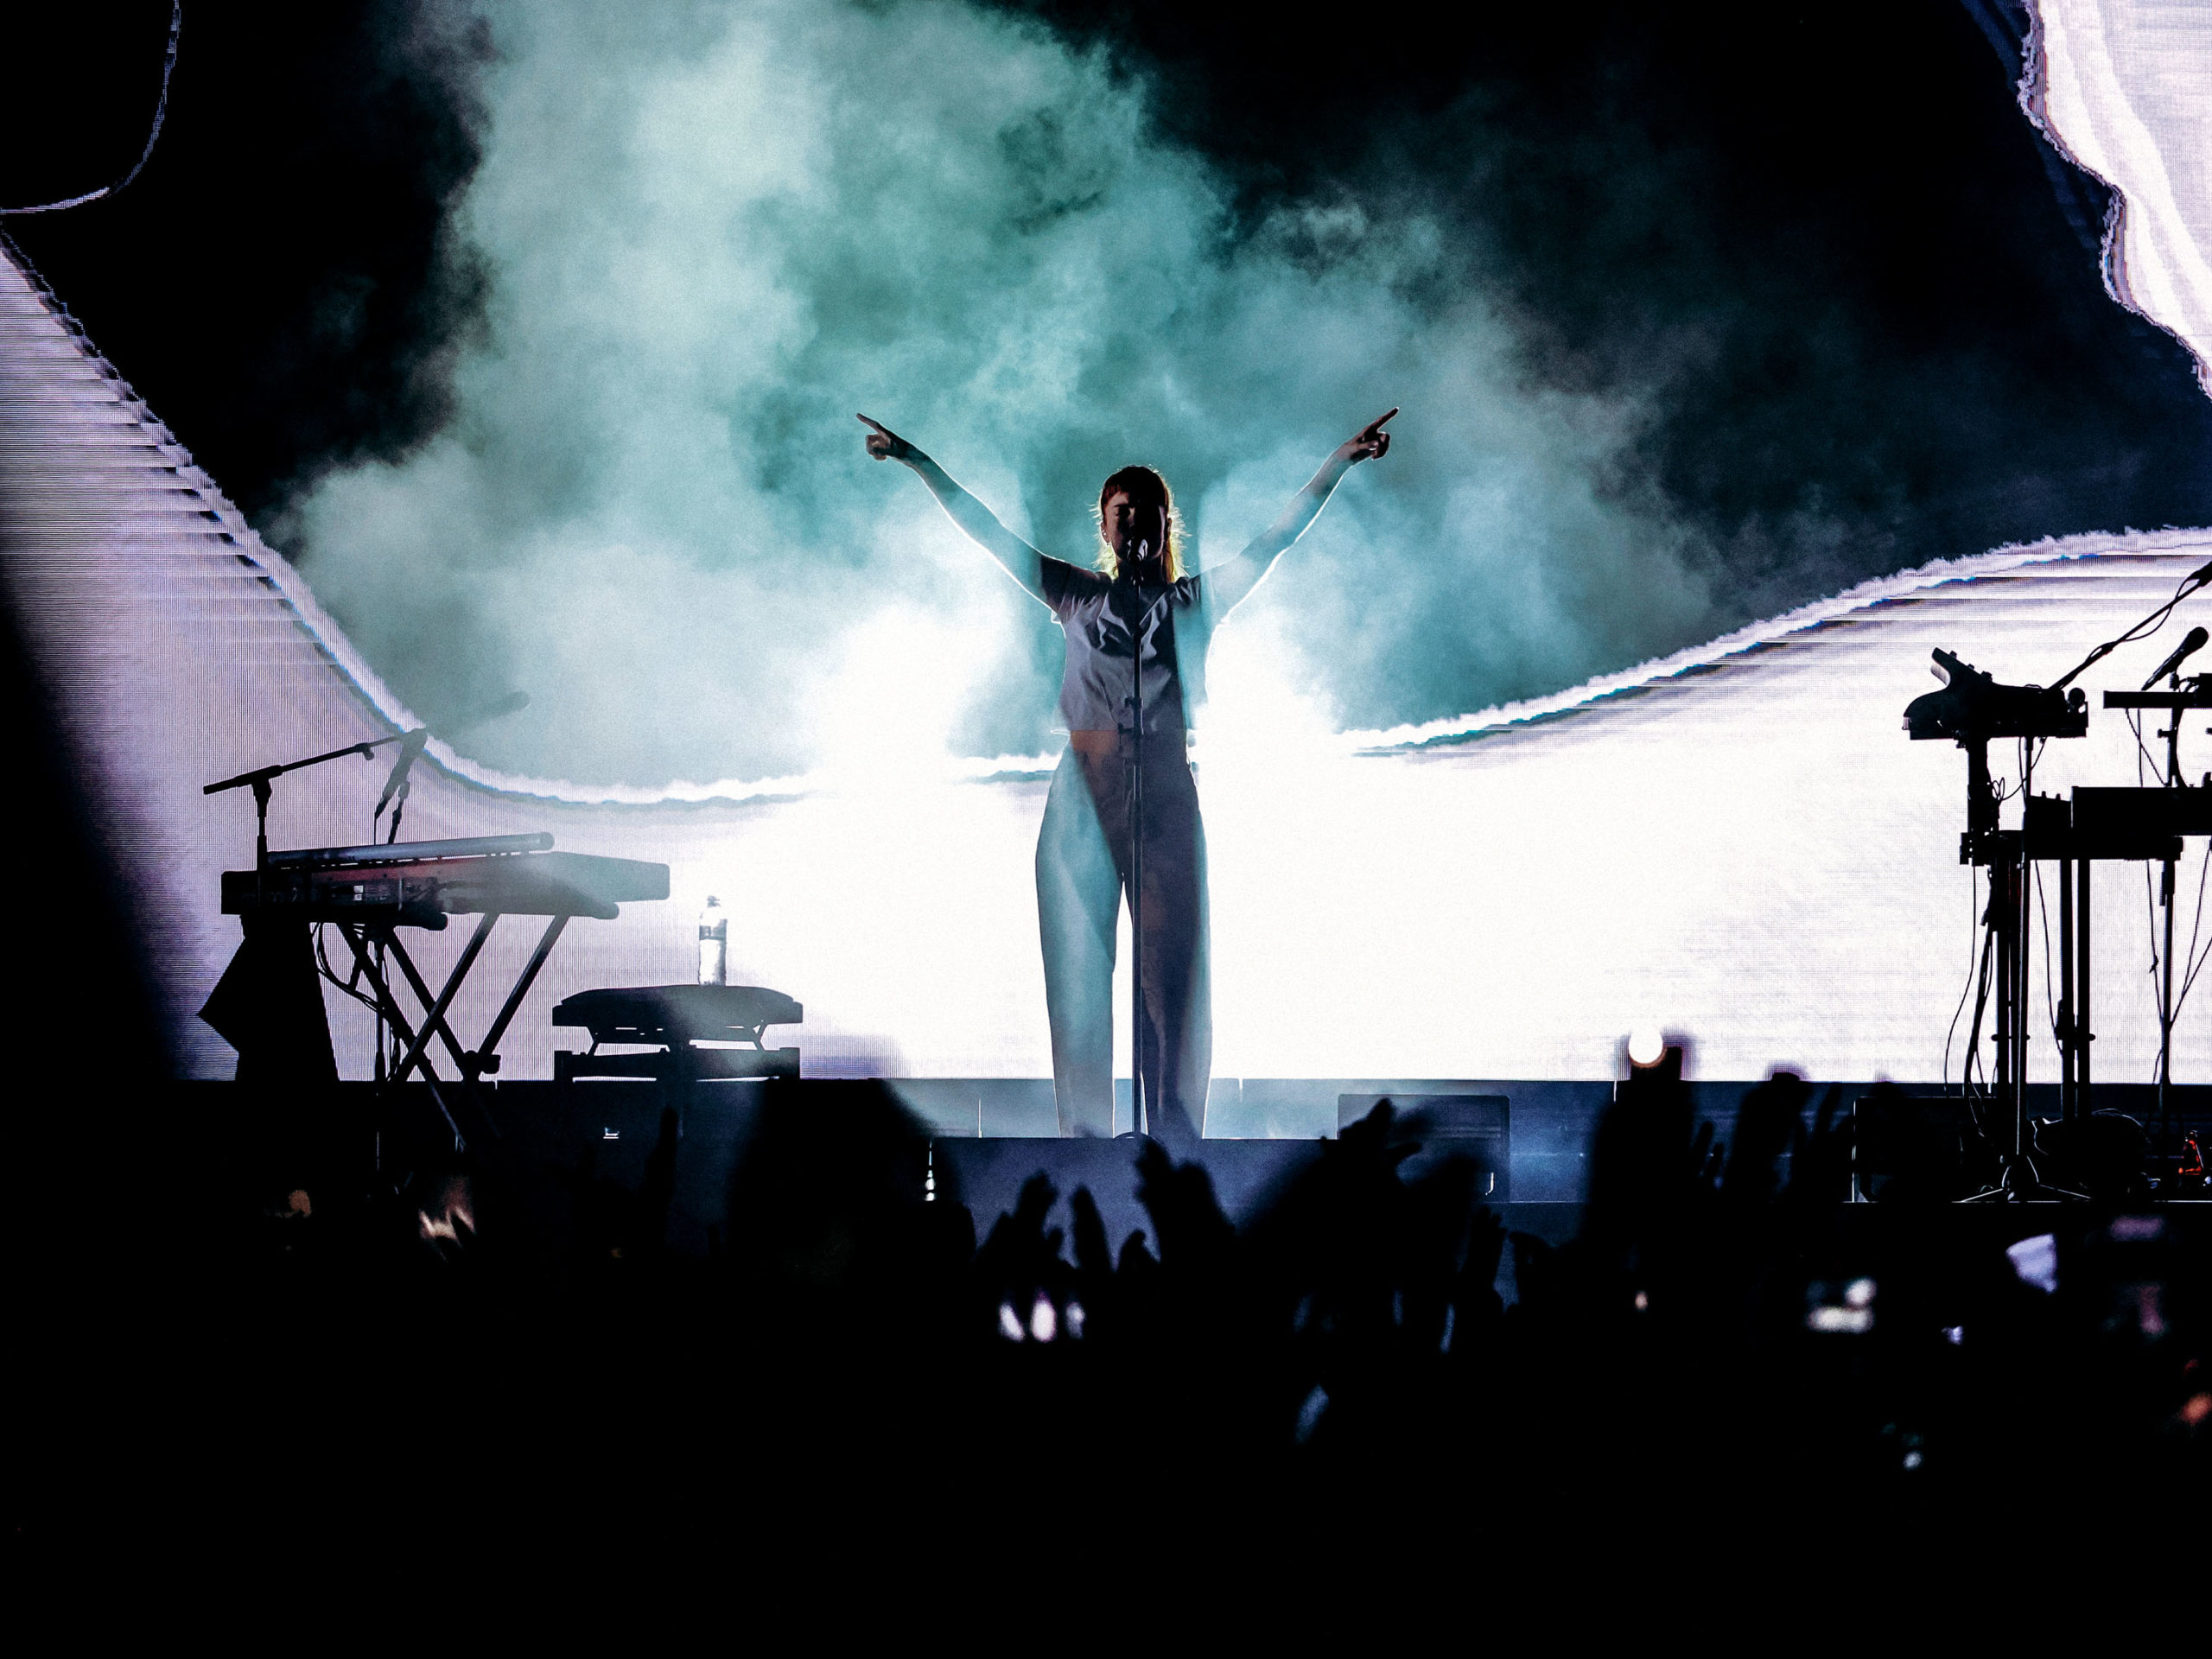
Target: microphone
396	783
410	746
2194	642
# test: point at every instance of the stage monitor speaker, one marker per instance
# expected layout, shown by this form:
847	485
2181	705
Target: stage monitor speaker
1477	1126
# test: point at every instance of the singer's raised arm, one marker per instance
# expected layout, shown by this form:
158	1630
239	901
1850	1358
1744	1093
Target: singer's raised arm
1227	584
977	522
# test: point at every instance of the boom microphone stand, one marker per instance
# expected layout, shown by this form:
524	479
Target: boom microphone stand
260	781
261	778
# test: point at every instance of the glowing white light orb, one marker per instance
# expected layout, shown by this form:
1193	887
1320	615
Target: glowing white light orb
1646	1044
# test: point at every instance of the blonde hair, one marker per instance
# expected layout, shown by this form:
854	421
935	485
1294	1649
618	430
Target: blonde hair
1144	486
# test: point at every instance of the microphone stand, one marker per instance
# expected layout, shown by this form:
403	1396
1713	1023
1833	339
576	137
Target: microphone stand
2174	780
1137	1114
260	779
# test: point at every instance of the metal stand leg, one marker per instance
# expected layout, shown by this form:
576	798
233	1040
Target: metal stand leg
397	1021
491	1049
435	1020
2166	996
2068	1104
1139	1118
2012	892
2083	1036
471	1064
2022	931
464	1062
2004	917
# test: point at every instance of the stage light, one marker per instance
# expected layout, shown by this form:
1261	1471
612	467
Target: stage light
1647	1046
1044	1323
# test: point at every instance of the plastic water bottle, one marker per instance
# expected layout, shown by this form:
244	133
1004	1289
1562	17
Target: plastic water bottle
714	944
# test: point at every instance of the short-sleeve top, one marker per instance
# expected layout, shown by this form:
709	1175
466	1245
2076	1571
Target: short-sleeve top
1111	623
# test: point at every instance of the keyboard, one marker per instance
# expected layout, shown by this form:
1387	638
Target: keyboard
419	883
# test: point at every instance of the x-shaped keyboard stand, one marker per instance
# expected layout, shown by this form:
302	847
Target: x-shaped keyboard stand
362	937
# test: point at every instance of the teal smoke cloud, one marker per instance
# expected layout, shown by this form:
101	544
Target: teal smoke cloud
710	233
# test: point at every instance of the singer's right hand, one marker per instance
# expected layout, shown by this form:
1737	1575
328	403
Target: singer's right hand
884	444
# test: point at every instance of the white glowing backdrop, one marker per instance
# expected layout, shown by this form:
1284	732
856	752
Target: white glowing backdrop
1738	843
2119	86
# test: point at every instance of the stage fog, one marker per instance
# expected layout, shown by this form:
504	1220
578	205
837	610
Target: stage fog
1527	742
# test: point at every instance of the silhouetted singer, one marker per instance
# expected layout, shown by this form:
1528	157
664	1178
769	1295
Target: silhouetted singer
1112	616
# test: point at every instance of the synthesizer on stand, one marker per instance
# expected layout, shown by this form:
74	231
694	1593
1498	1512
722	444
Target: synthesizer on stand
369	892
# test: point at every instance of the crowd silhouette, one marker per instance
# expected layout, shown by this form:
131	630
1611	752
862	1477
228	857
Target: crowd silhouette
850	1347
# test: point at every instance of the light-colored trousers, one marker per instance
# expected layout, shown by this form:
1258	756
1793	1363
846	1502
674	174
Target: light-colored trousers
1083	876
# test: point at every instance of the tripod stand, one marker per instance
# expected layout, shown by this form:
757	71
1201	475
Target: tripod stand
1971	711
2009	856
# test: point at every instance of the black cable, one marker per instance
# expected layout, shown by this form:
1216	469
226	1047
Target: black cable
2195	969
1980	1101
322	961
1973	1035
2190	955
2142	756
161	114
2043	914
